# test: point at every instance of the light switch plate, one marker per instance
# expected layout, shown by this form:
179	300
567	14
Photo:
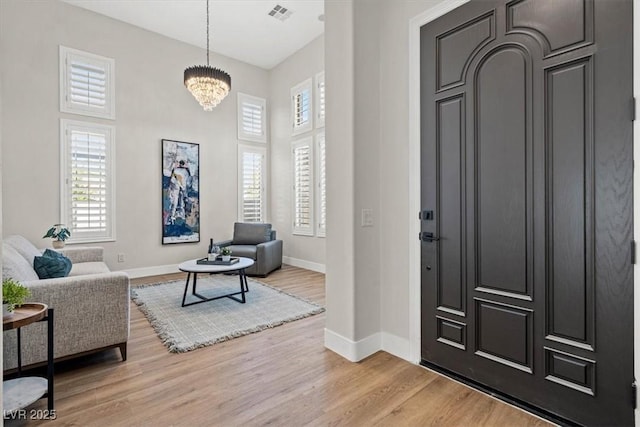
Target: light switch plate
367	218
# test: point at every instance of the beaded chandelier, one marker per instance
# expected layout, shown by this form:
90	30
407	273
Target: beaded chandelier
207	84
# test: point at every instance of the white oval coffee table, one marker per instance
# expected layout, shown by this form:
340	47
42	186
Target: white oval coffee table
192	267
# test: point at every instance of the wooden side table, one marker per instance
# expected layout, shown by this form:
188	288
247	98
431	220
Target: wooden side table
21	392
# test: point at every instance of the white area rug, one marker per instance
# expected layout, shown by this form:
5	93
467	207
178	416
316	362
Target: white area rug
183	329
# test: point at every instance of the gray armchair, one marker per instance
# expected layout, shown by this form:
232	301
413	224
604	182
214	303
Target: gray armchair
258	242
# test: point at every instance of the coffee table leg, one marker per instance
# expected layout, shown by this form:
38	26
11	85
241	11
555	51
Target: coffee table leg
186	287
243	279
244	286
195	283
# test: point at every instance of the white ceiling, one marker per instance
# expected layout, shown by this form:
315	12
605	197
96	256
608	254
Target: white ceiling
240	29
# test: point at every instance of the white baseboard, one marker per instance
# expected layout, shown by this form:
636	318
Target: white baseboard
352	350
313	266
157	270
399	347
356	351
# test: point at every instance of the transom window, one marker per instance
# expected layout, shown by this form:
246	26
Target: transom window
86	83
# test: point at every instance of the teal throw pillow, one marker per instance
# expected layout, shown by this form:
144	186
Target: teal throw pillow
51	264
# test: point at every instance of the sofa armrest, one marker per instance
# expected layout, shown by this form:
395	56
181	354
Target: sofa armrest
224	243
83	254
268	256
90	312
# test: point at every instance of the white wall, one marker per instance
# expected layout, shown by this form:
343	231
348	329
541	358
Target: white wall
303	64
340	271
367	167
377	291
151	103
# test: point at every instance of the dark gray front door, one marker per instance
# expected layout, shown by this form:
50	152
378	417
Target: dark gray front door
527	183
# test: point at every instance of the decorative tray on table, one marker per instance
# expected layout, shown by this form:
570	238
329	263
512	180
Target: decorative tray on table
217	261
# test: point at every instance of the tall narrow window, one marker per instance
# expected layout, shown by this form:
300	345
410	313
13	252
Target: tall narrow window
301	107
252	184
86	84
252	120
303	187
87	205
320	100
321	227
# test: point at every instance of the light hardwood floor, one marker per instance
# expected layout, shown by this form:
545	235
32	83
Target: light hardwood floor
282	376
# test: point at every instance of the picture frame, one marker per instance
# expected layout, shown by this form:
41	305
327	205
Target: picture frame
180	192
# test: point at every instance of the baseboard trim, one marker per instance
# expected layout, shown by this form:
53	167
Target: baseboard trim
157	270
313	266
398	346
353	351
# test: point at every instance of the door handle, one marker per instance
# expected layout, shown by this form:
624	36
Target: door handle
427	236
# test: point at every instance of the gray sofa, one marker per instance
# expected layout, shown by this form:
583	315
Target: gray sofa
91	305
258	242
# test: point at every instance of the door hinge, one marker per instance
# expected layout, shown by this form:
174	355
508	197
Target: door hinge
633	109
634	395
633	252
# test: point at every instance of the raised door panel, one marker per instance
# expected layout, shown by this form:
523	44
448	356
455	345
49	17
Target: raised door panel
504	334
456	47
451	276
557	30
503	212
570	198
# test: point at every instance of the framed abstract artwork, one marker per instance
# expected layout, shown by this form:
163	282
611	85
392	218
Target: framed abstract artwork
180	192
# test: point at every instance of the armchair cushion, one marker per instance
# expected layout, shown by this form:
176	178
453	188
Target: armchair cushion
247	251
251	234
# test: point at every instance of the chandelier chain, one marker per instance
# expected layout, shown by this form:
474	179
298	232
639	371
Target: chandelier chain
207	32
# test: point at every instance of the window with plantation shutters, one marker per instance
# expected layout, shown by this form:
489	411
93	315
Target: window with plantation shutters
252	184
302	107
87	206
302	156
252	119
321	214
86	84
320	100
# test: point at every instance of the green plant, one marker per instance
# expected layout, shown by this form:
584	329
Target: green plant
58	232
225	251
13	293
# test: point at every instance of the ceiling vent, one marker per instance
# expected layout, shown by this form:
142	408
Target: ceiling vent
280	13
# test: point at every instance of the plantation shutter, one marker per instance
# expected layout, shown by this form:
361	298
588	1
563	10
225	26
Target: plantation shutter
303	188
322	186
252	192
87	83
251	118
301	103
88	198
320	98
